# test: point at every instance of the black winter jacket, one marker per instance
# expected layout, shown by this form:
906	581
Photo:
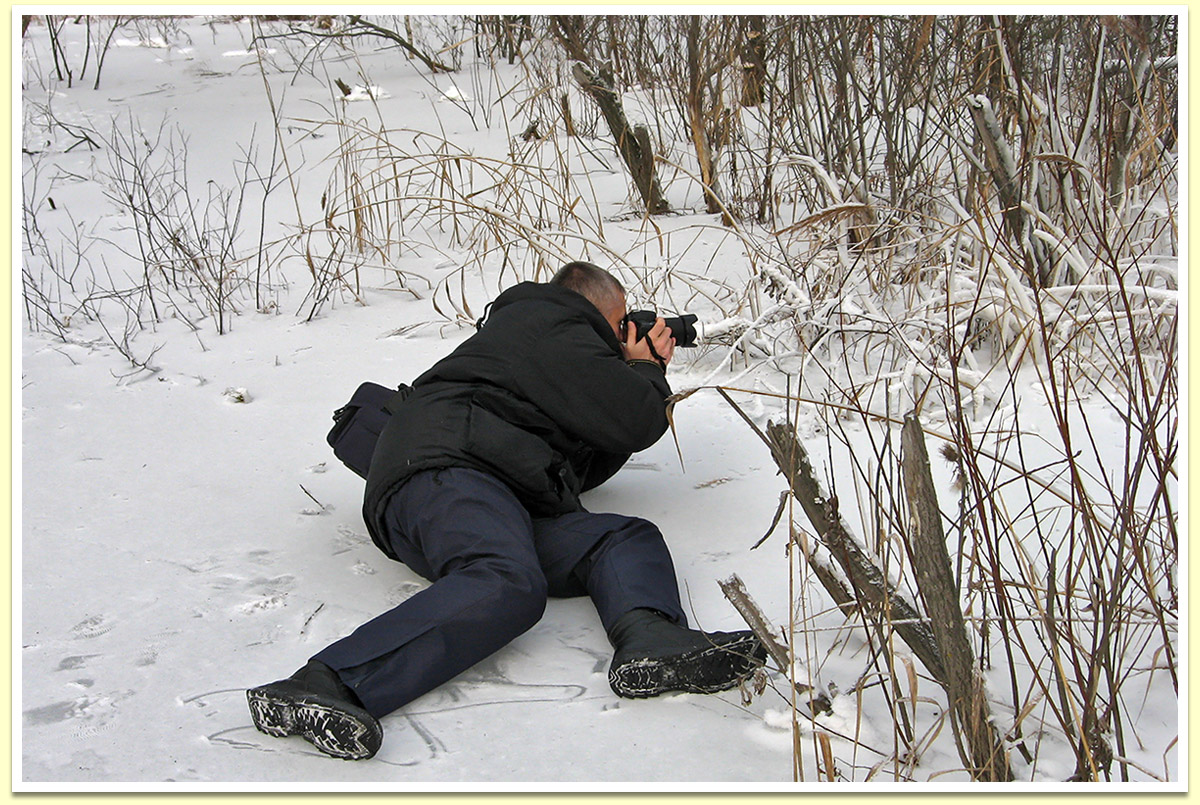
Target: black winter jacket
539	397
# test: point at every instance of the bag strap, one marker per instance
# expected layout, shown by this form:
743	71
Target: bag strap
400	396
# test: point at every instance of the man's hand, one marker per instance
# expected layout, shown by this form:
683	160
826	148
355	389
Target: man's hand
657	346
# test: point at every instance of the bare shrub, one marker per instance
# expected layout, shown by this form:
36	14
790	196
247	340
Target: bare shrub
99	32
186	242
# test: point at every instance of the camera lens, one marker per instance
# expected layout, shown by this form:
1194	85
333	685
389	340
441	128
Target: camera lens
683	328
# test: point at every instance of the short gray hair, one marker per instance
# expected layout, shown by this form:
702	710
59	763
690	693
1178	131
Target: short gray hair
595	284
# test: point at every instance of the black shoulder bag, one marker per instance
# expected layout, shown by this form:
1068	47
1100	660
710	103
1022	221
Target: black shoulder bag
358	423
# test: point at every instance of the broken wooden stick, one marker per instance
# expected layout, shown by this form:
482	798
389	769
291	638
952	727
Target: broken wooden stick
735	591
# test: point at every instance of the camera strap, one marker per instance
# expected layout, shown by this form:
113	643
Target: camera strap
662	364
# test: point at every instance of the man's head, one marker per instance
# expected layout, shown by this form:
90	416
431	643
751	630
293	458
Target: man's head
598	287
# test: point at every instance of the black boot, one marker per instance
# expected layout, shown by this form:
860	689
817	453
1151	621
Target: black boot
315	704
654	655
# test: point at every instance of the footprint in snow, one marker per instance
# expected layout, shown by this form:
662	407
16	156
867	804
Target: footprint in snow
149	653
92	627
75	662
87	716
262	604
261	557
347	540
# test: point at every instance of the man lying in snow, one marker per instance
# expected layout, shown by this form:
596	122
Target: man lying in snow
475	485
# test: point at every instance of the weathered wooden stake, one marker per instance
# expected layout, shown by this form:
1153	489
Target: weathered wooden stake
969	710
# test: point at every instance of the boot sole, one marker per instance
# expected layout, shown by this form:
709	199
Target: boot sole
708	670
333	728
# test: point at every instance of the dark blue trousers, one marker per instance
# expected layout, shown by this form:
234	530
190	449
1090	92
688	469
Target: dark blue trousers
492	568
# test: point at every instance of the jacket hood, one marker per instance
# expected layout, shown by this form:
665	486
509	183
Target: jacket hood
545	292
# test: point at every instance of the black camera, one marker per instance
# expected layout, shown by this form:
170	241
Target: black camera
683	328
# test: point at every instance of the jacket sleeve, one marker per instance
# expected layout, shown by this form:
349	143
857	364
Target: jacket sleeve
602	467
594	395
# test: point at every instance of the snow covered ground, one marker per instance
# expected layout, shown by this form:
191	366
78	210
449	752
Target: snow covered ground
172	556
186	533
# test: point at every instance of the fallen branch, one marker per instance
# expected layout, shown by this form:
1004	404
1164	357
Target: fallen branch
633	142
372	28
735	590
869	583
